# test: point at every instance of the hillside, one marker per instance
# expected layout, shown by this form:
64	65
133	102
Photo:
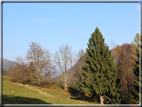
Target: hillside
16	93
7	63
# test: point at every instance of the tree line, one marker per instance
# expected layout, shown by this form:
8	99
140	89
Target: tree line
39	66
108	76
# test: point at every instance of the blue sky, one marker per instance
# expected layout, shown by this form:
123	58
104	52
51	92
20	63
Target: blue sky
56	24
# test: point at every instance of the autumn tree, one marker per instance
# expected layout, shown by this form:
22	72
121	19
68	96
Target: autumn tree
125	70
64	59
99	72
134	48
19	71
40	58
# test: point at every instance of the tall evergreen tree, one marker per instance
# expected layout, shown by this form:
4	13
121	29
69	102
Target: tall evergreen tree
99	72
137	69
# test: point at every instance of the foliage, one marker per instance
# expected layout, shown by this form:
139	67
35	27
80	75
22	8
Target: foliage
135	47
125	69
21	72
9	72
99	71
31	71
5	72
136	66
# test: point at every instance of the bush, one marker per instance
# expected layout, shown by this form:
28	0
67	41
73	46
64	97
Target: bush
133	101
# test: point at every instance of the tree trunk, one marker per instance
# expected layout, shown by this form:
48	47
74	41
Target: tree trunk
65	86
128	96
101	99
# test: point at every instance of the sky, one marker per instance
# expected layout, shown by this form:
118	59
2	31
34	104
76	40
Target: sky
56	24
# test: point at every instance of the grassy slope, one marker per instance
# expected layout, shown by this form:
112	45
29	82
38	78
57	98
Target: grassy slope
22	95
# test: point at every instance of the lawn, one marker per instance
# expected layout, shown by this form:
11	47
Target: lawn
14	93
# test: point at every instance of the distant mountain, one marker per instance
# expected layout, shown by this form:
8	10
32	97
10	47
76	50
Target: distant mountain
7	63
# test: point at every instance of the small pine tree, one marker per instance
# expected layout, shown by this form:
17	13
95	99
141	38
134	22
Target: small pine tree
31	73
4	72
32	67
9	71
99	72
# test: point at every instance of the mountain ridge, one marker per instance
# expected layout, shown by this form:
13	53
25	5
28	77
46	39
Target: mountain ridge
6	63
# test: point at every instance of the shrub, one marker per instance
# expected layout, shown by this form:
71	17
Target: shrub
133	101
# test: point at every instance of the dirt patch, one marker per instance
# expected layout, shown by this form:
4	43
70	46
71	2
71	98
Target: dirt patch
53	88
81	102
41	92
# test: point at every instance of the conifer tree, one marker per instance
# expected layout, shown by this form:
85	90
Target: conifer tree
31	69
99	72
137	69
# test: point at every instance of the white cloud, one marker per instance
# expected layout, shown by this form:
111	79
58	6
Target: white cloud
42	20
73	30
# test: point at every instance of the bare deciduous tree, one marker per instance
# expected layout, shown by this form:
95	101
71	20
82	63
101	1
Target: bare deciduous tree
64	58
40	57
113	52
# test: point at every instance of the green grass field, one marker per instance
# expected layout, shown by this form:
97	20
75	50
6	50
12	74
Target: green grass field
22	94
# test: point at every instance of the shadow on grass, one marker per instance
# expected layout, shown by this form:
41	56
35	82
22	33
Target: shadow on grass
77	95
9	99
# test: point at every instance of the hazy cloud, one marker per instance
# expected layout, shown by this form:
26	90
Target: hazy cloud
73	30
